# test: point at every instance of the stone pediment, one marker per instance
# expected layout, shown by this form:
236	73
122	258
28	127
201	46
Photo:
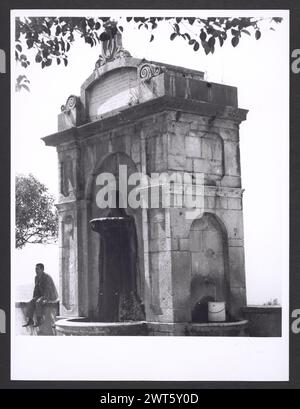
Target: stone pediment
120	82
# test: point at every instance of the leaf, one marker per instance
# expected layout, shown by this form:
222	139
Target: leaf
29	43
18	47
65	61
196	46
91	23
172	36
203	35
235	22
177	28
38	58
191	42
210	30
103	36
211	42
234	32
121	29
221	41
128	19
62	45
57	31
246	32
88	40
151	38
257	34
48	63
235	41
97	26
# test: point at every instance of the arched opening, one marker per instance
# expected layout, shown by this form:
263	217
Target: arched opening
209	265
117	264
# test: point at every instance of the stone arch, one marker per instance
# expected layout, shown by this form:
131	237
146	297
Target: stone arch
110	163
208	243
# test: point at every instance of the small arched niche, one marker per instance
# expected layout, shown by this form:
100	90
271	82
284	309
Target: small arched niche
209	264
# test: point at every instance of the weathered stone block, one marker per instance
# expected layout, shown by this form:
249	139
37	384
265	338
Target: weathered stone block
234	203
175	144
175	243
181	278
210	202
237	302
177	162
231	158
184	244
157	230
160	244
236	262
189	165
192	146
201	165
136	151
180	226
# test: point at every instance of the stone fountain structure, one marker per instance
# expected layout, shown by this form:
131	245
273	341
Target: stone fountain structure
148	270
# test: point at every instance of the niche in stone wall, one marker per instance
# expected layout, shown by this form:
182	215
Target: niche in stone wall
66	176
208	247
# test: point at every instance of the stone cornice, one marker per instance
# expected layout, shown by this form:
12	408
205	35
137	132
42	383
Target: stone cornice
132	114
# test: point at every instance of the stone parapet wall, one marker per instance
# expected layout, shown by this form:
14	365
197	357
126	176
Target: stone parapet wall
50	312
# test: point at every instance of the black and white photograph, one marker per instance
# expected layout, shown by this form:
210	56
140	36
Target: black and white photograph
150	194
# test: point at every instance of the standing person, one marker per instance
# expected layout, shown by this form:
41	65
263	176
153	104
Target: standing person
44	291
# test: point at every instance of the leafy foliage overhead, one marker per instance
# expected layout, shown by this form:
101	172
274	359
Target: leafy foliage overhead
36	216
52	37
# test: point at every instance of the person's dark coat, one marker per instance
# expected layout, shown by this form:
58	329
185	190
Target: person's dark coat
45	287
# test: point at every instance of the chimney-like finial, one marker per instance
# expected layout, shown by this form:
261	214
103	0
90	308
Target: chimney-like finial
112	47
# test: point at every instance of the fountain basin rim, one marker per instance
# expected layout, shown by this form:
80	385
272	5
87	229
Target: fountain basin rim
111	218
75	322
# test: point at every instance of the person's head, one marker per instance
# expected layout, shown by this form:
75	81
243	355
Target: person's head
39	268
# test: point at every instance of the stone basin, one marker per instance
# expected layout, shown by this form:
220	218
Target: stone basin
82	326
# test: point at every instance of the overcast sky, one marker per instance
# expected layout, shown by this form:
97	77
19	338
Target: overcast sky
260	71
